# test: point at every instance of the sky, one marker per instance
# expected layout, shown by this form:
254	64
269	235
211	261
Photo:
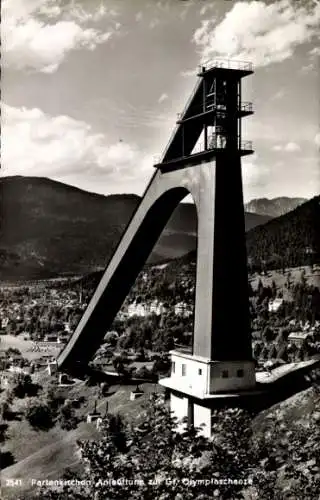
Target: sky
91	89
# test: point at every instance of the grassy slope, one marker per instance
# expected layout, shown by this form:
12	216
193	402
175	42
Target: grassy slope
51	460
48	462
46	455
280	279
26	347
295	409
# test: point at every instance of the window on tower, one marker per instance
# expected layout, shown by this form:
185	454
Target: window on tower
183	370
225	374
240	373
173	366
200	371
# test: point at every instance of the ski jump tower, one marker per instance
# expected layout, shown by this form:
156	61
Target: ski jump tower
203	158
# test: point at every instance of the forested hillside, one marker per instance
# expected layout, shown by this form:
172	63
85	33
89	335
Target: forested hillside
290	240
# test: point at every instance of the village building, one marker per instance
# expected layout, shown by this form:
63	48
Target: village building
6	379
94	416
274	305
26	370
182	309
52	367
298	338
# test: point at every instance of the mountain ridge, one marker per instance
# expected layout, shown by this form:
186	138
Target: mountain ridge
274	207
47	228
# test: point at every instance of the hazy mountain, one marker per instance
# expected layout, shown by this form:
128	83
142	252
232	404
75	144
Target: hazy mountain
49	228
273	207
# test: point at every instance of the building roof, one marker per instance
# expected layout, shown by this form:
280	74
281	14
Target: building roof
299	335
6	374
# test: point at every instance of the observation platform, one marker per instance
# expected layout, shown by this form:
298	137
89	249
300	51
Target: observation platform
212	115
202	155
241	68
205	115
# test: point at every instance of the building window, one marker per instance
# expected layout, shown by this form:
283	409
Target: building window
225	374
200	371
173	366
240	373
184	370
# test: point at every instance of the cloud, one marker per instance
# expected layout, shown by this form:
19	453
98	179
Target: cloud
38	34
254	173
185	7
259	32
312	61
206	8
278	95
35	143
155	22
315	52
162	5
77	12
48	9
162	98
307	68
317	140
290	147
189	72
267	177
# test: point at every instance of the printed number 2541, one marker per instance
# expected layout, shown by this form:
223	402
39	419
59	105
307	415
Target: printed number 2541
13	482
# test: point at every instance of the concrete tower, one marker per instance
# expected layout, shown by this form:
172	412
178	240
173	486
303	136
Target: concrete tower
221	363
203	158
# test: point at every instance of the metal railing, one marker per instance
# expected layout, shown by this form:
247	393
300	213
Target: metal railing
214	142
220	108
246	146
226	64
246	106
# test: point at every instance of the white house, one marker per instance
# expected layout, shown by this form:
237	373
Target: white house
182	309
26	370
157	308
4	322
52	367
6	378
136	310
67	327
51	337
297	338
274	305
